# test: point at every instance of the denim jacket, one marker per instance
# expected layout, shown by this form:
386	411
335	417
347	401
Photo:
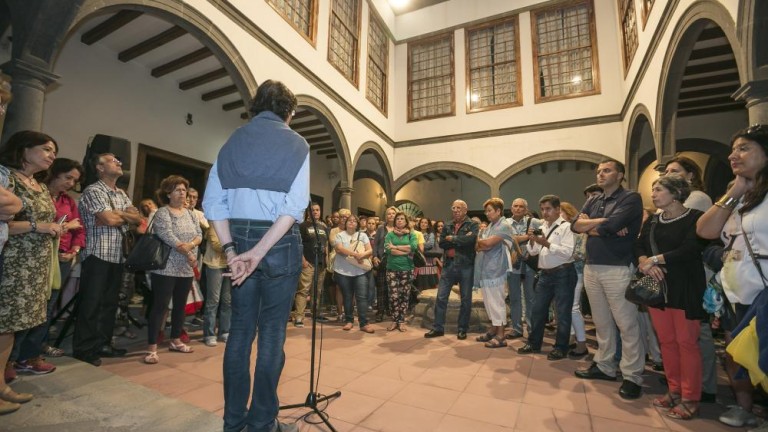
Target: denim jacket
463	242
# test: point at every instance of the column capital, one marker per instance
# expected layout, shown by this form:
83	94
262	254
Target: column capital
346	190
29	74
753	92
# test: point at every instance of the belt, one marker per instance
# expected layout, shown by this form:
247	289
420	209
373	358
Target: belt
557	269
254	223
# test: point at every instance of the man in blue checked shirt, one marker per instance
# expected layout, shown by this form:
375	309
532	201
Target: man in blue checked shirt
257	191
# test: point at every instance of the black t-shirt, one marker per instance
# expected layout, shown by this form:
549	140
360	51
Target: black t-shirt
309	240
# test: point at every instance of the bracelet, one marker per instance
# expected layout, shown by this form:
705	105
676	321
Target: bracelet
727	203
32	226
231	246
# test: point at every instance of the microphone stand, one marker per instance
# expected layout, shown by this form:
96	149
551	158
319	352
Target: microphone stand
313	397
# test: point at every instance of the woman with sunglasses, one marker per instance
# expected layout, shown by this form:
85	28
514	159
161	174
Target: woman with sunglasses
735	218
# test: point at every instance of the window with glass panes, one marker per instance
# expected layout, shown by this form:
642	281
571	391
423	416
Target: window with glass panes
493	75
343	37
431	78
628	30
378	59
300	14
647	5
565	51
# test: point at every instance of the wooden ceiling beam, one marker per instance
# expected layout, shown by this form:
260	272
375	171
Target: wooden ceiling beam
302	114
716	79
440	176
321	146
109	26
233	105
202	79
333	156
182	62
711	33
306	124
712	91
326	152
150	44
319	139
215	94
452	175
713	51
719	100
710	67
710	110
426	176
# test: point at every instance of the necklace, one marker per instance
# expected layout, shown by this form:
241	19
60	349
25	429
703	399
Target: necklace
29	179
662	219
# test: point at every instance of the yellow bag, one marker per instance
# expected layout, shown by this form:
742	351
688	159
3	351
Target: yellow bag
744	350
55	272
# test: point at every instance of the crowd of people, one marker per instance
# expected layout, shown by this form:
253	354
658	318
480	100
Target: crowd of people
530	267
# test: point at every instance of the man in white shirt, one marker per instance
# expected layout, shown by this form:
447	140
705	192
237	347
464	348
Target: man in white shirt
553	243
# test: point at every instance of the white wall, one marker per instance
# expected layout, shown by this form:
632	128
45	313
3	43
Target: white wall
367	195
568	184
435	197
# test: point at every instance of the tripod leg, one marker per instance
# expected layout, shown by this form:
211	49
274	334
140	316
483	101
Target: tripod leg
70	319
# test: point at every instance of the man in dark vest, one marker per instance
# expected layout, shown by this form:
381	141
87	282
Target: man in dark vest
257	192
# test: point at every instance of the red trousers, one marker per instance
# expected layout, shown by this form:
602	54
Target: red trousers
679	342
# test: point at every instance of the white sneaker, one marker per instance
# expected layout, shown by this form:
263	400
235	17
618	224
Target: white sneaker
210	341
737	416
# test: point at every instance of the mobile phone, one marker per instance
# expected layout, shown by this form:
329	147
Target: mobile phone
63	219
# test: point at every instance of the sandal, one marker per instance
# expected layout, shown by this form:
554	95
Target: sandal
151	358
394	326
52	351
682	411
181	347
496	342
347	327
402	327
486	337
669	401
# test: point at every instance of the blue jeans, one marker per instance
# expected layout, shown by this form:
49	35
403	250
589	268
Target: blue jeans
219	299
518	288
356	286
451	275
262	303
558	285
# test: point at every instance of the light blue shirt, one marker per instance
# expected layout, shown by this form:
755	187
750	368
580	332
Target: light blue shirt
258	204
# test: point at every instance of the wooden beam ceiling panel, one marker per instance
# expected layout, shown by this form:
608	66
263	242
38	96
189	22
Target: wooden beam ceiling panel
109	26
719	100
440	176
302	114
182	62
452	175
713	91
710	67
233	105
426	176
203	79
326	152
713	51
321	146
319	139
152	43
215	94
333	156
710	110
306	125
711	33
730	77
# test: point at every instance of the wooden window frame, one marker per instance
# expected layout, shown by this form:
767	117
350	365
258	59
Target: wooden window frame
312	37
355	79
519	99
449	35
374	20
646	11
535	46
623	6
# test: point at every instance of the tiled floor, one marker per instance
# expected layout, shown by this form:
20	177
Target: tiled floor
392	381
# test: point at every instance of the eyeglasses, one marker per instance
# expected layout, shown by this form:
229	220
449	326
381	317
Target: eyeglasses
116	161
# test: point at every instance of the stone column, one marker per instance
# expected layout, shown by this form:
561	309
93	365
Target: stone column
755	94
29	84
345	200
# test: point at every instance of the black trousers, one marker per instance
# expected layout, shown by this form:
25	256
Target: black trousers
100	283
165	288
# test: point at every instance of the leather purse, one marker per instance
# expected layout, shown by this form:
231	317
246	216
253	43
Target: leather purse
365	264
149	253
644	290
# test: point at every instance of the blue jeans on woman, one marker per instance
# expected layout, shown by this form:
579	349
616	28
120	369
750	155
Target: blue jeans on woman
356	286
219	299
262	303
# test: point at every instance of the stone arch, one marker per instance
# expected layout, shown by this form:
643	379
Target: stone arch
191	20
381	157
450	166
638	122
334	130
683	39
549	156
753	22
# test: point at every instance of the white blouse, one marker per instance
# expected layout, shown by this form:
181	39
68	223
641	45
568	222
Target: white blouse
740	278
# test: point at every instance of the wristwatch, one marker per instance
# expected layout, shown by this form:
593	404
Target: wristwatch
655	260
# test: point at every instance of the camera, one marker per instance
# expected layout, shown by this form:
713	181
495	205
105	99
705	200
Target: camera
538	232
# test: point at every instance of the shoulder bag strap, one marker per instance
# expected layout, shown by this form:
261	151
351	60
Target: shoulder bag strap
752	255
552	230
654	248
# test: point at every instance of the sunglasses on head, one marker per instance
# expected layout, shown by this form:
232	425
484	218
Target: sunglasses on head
757	129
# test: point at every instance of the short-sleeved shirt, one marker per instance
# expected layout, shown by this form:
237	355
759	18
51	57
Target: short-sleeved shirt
103	241
310	237
340	265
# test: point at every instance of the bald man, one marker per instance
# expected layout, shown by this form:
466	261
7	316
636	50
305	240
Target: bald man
458	243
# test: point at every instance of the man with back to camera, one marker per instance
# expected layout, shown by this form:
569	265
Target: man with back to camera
257	190
612	221
458	241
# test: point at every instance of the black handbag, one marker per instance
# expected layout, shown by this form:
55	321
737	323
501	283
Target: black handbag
149	253
644	290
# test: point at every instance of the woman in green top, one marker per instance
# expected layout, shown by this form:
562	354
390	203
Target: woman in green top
399	245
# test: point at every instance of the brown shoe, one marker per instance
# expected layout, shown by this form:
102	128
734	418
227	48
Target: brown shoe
347	327
8	407
367	328
9	395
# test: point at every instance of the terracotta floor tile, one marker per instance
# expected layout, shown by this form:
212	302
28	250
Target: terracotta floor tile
497	388
600	424
506	365
611	406
375	386
536	418
427	397
207	368
452	423
498	412
394	417
566	397
400	372
209	397
353	407
440	379
335	377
